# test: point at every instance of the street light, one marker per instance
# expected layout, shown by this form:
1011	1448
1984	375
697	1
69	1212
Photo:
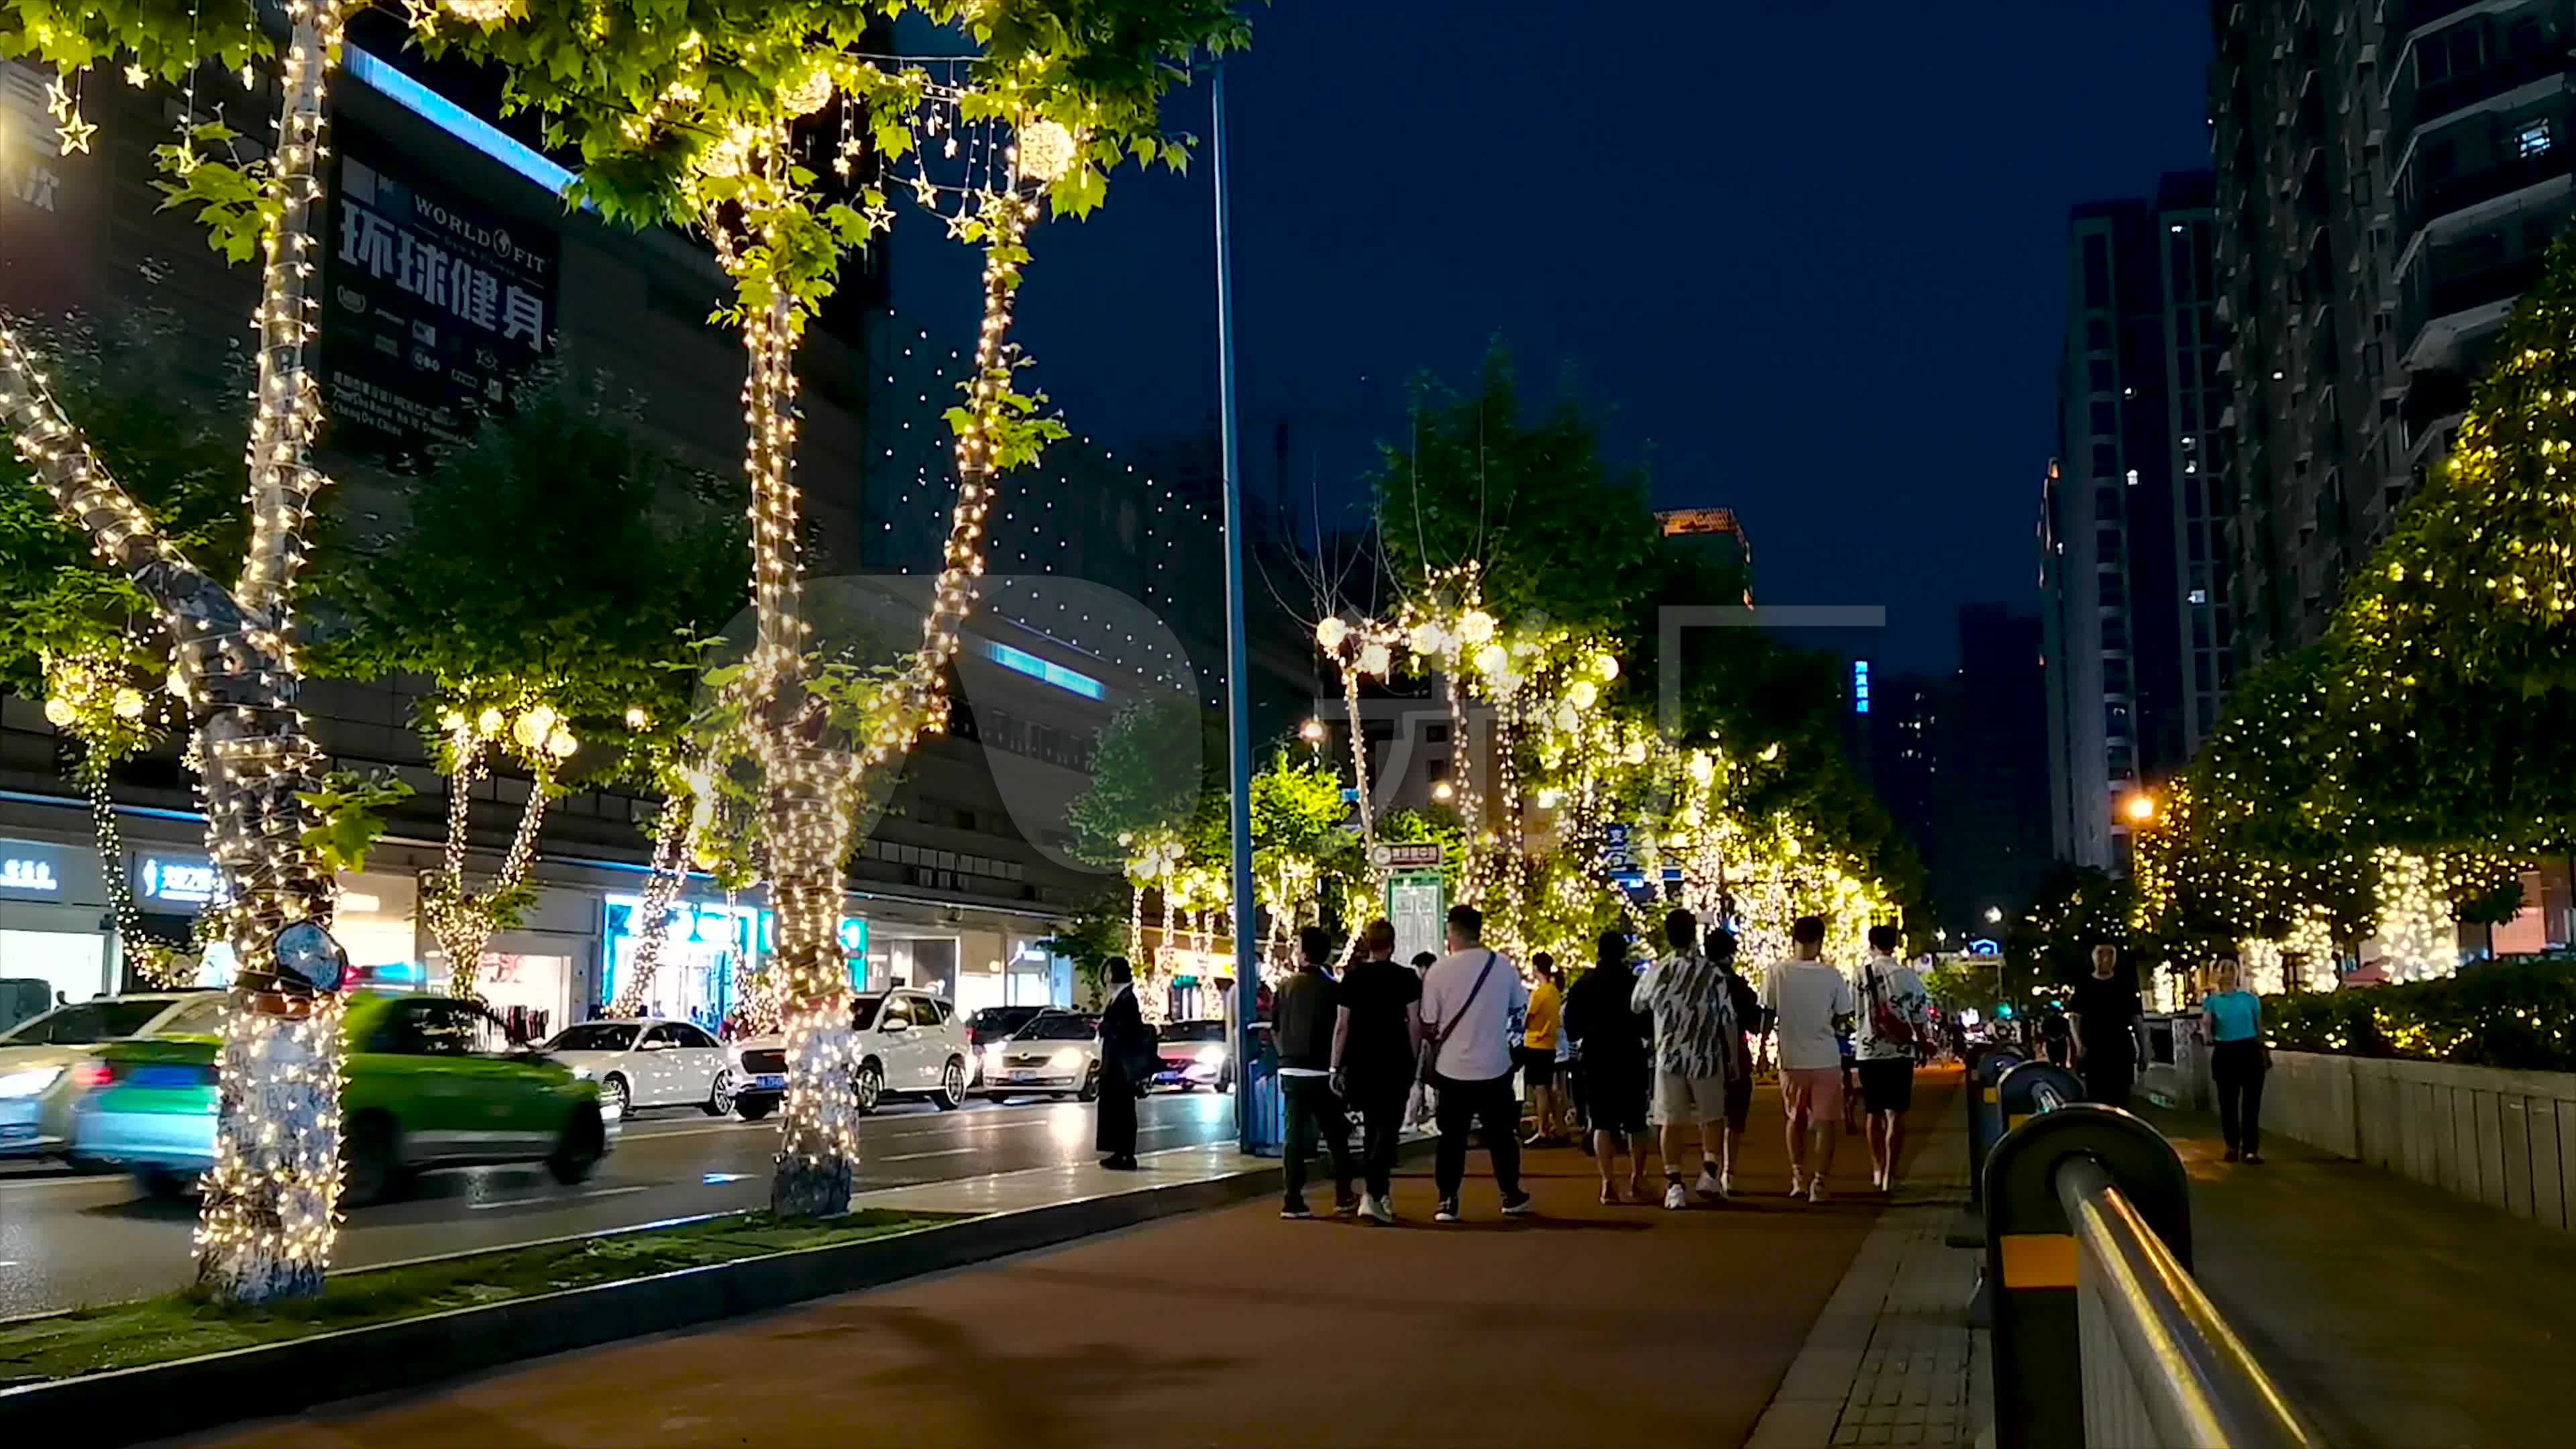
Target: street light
2140	808
1312	731
1994	915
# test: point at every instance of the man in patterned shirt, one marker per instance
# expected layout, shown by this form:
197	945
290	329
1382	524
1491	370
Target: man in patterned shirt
1695	1043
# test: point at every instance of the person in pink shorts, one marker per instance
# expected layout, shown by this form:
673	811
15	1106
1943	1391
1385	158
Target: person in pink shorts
1806	999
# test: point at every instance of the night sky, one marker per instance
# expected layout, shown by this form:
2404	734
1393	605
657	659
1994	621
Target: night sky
1804	261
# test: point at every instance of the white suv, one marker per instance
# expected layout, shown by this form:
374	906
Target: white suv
909	1044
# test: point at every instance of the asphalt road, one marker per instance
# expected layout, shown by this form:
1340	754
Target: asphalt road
67	1239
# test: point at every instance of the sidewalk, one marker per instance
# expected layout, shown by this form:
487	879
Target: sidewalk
1587	1324
2392	1313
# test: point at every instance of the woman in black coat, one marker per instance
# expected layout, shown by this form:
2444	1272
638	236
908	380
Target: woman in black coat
1123	1042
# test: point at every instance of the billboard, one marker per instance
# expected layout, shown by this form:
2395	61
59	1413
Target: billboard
433	306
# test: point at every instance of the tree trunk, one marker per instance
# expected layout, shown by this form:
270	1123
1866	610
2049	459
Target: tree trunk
267	1224
661	890
462	921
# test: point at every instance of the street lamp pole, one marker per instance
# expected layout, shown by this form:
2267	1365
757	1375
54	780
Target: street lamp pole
1238	651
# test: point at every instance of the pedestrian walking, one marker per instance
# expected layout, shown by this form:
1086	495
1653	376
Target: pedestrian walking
1468	999
1377	1028
1695	1046
2106	1020
2238	1059
1747	1003
1536	1055
1304	1012
1808	1000
1611	1041
1894	1029
1125	1047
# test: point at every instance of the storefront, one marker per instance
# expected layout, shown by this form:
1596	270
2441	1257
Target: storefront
52	902
710	951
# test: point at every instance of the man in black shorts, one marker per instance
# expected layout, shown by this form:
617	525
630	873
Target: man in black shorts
1893	1025
1747	1002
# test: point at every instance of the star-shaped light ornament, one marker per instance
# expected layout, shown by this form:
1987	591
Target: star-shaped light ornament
75	133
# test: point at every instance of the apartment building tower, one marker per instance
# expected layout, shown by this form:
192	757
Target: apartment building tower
2134	573
2390	174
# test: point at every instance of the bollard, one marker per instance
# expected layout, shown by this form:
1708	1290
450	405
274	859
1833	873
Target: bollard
2031	1253
2029	1088
1986	1068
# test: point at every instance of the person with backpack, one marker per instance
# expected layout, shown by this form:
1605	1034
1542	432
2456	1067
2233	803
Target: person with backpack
1894	1027
1695	1045
1746	1002
1469	998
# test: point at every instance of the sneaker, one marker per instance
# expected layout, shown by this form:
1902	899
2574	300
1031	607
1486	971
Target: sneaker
1519	1205
1294	1209
1797	1184
1816	1189
1610	1195
1377	1209
2230	1156
1448	1212
1710	1186
1676	1197
1344	1207
2255	1158
1537	1139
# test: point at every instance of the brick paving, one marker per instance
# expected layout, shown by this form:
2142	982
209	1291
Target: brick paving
1587	1324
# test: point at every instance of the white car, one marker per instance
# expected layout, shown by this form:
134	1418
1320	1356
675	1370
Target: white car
1056	1054
909	1044
647	1062
48	1061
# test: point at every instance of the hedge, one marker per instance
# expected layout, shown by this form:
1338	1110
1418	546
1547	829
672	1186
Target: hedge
2519	1015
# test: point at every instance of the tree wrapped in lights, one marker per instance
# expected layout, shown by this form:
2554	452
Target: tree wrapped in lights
81	636
720	123
268	1220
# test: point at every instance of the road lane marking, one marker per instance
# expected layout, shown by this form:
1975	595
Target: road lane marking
917	1156
564	1198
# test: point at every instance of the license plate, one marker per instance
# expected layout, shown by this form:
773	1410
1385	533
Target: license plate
771	1081
1024	1076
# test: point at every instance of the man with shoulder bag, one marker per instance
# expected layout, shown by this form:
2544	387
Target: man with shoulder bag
1468	1000
1894	1028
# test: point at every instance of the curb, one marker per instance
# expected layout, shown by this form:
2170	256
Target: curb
155	1401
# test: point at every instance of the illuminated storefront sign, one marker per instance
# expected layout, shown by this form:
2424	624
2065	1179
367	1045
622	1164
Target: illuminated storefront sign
30	868
179	882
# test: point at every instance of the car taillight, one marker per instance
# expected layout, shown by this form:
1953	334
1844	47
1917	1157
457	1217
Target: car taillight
93	1074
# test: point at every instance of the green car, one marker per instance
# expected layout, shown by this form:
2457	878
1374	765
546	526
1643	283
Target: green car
431	1082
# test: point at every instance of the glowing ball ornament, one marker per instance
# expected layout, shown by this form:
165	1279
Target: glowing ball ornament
1046	150
1429	639
811	94
1583	694
58	713
1331	632
1476	626
128	703
1376	659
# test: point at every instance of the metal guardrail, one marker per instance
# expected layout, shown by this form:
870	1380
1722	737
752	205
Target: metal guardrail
2101	1337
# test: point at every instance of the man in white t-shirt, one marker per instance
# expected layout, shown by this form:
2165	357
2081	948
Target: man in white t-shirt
1887	1059
1469	998
1803	997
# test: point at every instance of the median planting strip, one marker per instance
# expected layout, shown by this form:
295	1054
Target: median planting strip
183	1325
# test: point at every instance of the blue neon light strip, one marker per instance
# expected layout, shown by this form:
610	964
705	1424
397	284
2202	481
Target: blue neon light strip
452	118
1035	668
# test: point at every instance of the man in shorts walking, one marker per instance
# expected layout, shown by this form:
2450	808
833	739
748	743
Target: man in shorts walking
1805	997
1895	1024
1747	1004
1695	1046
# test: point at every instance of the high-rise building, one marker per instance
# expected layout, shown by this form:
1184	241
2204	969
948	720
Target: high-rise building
2133	564
2390	174
1951	761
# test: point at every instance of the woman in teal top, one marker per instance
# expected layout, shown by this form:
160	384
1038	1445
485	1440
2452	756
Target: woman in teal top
2233	1019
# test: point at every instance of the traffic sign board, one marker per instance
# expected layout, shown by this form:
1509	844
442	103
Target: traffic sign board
1413	855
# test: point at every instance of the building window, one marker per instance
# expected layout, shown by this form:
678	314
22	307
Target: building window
2198	596
2533	139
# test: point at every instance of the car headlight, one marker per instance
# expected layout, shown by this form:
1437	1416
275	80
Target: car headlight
1210	1056
29	1082
1066	1057
992	1056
